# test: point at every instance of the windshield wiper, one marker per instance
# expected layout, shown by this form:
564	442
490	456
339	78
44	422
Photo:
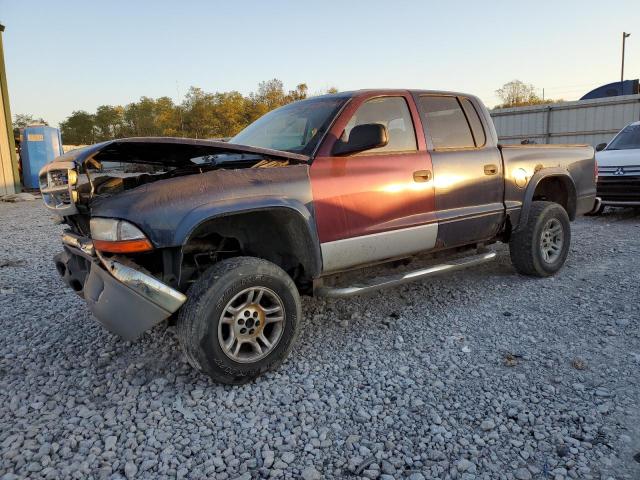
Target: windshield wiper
220	158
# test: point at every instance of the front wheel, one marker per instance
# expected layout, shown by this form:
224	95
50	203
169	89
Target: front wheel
541	247
240	319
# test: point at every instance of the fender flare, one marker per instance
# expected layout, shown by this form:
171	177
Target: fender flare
540	175
210	211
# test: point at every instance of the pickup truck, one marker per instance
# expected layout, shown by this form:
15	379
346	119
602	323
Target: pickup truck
224	237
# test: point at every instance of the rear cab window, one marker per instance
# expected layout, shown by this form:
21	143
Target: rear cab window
477	129
451	123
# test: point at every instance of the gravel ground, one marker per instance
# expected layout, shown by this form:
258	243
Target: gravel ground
481	374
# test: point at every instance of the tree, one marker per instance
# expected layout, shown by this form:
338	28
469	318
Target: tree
198	108
168	118
300	93
517	93
78	128
109	122
271	94
201	114
229	114
140	118
21	120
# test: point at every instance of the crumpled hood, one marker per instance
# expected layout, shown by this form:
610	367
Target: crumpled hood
168	209
169	151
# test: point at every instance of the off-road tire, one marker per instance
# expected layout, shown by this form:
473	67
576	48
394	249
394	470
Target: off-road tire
197	323
525	244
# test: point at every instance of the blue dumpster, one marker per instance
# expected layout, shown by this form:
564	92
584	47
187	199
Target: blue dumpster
40	145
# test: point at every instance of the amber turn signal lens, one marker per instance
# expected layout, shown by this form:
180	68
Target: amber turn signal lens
123	246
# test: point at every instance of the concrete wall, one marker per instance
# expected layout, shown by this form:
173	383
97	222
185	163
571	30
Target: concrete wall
585	121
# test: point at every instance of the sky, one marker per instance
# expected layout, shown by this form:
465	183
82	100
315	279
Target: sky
77	55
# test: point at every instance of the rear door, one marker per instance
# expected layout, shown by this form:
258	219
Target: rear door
467	169
376	204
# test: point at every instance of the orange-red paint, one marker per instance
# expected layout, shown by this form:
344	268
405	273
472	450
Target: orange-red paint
370	193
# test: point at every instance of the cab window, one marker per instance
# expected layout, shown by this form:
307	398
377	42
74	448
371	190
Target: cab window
391	112
474	120
446	122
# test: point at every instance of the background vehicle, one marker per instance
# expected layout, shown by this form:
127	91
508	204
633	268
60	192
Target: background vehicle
228	235
619	169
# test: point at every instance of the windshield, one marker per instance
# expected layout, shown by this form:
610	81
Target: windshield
296	128
627	139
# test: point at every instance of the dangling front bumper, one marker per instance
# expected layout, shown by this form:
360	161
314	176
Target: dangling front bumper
125	301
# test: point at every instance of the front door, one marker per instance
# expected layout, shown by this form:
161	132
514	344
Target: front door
378	204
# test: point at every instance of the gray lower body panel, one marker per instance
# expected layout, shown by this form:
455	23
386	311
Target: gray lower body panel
117	307
350	252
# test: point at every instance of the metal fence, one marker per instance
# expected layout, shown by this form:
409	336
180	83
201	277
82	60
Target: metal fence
585	121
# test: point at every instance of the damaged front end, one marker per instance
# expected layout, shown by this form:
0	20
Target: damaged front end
125	299
129	281
74	180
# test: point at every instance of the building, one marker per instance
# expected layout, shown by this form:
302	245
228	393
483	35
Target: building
583	121
9	175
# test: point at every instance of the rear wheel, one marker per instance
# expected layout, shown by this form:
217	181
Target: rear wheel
241	319
541	247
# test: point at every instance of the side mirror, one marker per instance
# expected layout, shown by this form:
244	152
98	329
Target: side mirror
600	147
362	137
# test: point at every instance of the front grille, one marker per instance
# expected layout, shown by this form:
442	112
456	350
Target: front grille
619	171
620	188
58	178
56	189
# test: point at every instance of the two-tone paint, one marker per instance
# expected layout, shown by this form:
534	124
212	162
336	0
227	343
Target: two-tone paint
356	209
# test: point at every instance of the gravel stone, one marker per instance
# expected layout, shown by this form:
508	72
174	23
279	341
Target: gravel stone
392	393
310	473
130	470
288	457
268	459
487	425
522	474
110	442
463	465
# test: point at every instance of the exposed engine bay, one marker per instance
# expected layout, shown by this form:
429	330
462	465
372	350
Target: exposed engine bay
71	182
102	180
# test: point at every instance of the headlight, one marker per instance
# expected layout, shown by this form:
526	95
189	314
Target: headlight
118	236
72	177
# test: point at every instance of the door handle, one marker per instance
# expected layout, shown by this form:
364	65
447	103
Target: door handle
490	169
422	175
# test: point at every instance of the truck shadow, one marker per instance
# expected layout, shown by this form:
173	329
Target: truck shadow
618	214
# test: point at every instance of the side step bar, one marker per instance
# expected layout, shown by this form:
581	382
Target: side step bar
392	281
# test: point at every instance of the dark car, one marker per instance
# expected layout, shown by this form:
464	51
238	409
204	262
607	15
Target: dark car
224	237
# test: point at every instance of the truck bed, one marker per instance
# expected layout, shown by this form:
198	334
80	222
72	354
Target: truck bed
521	165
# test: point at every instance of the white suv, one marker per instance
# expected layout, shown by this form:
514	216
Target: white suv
619	169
